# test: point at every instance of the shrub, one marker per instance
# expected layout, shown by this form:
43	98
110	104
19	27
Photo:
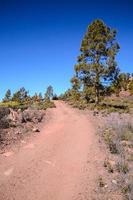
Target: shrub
47	104
55	97
4	122
3	112
127	135
122	166
131	87
109	166
118	135
110	141
32	115
15	105
43	105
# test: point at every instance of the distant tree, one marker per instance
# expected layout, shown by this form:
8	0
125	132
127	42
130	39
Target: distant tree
16	96
40	96
35	97
121	83
21	95
7	96
124	79
49	93
75	94
116	87
96	63
66	95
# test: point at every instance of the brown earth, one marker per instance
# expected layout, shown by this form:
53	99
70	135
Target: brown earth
63	162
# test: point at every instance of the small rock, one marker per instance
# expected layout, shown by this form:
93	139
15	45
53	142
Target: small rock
36	130
7	154
33	115
18	133
23	142
114	181
106	186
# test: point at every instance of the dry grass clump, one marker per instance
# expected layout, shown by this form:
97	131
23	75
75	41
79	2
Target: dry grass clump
126	185
118	128
117	132
109	165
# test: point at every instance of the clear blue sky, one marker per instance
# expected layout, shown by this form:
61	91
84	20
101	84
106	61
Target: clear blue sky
40	40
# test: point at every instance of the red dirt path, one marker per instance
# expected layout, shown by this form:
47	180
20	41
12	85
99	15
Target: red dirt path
52	165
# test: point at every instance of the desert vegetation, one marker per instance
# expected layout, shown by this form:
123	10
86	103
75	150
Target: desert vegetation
98	85
98	82
116	131
21	113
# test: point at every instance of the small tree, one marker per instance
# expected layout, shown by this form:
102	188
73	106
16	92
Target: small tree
7	96
40	96
124	79
49	93
120	83
21	95
16	96
96	62
75	94
35	97
75	83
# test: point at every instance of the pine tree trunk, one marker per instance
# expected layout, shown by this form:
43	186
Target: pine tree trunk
97	89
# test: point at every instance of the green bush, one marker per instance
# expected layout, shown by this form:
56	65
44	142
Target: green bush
14	105
43	105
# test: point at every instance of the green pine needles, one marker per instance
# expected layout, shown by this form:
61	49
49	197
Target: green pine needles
96	62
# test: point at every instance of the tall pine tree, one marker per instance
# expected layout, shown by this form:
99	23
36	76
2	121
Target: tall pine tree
96	63
7	96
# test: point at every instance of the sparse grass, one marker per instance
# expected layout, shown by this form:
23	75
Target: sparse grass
81	104
113	107
38	105
46	104
127	135
127	187
130	157
110	140
109	166
101	182
108	104
123	167
118	128
117	132
9	104
14	105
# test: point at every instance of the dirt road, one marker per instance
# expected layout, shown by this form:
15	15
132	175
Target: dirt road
54	164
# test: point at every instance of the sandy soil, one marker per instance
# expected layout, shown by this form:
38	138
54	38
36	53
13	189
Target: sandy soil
63	162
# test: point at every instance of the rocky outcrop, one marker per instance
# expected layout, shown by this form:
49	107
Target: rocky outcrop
4	121
35	129
33	115
28	115
14	125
